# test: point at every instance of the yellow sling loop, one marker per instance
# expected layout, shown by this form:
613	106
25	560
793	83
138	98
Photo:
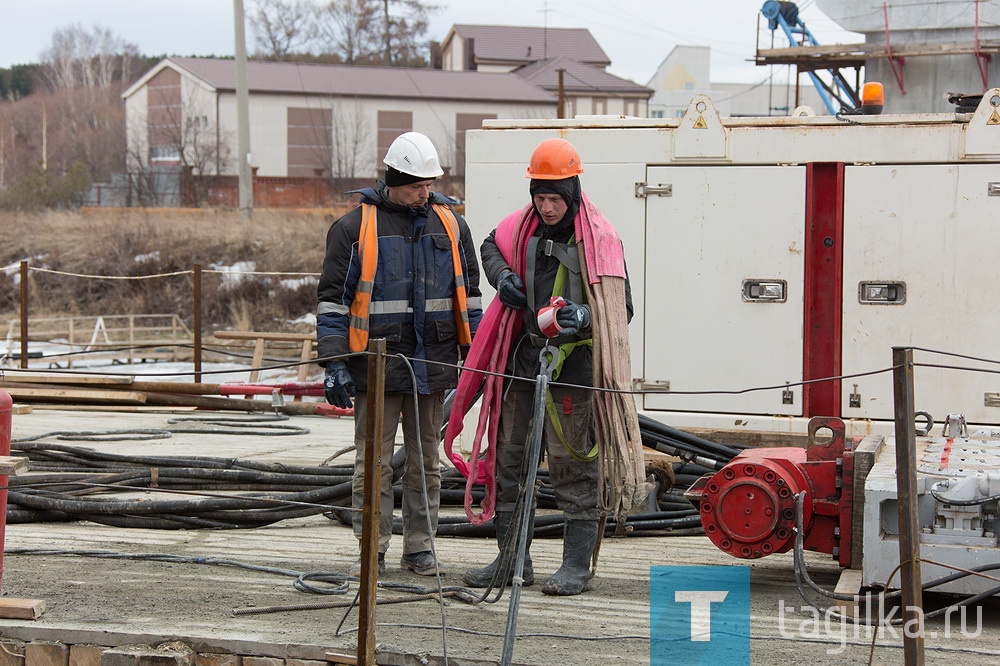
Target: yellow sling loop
368	252
564	350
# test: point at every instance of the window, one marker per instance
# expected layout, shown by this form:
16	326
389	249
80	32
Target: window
390	125
164	154
631	107
310	142
600	106
464	122
656	114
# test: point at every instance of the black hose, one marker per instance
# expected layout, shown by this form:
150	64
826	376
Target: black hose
78	489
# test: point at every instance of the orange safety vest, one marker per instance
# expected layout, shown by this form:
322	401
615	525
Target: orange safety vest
368	252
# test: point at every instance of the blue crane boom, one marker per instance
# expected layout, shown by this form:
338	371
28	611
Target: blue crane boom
786	16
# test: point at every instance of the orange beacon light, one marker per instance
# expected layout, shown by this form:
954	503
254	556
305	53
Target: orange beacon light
872	98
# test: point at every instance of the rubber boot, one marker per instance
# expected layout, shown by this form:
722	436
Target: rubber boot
573	577
483	576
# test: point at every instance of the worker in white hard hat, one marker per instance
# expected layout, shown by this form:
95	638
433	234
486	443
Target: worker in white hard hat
401	266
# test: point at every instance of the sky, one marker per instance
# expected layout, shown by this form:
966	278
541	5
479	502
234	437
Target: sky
636	34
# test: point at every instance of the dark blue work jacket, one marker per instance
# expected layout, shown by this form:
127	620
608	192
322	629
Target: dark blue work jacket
411	296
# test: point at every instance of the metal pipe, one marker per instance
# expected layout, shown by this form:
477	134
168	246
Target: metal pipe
6	412
244	169
24	314
196	321
906	494
534	454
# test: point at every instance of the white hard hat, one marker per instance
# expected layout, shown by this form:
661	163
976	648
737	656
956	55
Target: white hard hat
414	154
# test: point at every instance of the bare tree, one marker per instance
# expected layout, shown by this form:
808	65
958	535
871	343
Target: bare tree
404	23
282	27
352	132
349	29
374	32
90	59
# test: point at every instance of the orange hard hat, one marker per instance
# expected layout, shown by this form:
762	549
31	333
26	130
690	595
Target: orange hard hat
554	159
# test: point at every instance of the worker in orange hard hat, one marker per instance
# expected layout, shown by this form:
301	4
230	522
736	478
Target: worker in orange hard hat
559	270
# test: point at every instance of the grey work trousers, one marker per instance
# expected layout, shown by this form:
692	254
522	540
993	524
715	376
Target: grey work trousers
416	535
574	482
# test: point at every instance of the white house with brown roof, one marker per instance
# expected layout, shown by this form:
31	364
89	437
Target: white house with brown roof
504	48
588	90
537	55
313	120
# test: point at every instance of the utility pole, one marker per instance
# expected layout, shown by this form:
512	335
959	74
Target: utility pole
388	36
562	94
242	116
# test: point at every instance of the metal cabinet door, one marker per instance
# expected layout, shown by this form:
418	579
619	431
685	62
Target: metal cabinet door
934	230
720	227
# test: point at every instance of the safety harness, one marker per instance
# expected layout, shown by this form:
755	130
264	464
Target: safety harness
570	286
368	253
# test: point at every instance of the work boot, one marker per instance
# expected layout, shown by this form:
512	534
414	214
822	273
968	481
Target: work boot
422	563
355	569
573	577
483	576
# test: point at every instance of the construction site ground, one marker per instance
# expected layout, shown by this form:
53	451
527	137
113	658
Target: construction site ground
124	602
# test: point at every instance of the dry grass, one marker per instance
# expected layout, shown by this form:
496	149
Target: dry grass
134	242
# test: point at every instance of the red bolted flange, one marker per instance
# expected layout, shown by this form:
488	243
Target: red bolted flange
748	507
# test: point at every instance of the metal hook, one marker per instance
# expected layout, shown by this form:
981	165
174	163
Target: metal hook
548	363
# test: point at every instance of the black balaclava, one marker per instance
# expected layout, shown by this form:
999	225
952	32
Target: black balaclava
395	178
567	188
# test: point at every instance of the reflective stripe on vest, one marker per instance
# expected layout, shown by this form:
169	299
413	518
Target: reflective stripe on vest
362	306
368	253
460	301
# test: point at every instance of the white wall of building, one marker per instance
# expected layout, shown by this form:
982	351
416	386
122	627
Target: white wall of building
435	118
685	72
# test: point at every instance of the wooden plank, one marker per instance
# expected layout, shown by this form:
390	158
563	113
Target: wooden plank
72	394
151	409
13	465
864	458
304	357
335	658
238	404
64	378
21	609
22	409
258	360
254	335
849	583
193	388
820	50
867	51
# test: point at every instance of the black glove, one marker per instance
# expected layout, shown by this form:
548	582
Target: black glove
510	289
338	386
573	318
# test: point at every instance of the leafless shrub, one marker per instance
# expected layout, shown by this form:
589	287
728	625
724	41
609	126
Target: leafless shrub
135	243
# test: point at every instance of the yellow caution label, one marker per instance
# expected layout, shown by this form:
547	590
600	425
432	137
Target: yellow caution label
700	123
994	119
